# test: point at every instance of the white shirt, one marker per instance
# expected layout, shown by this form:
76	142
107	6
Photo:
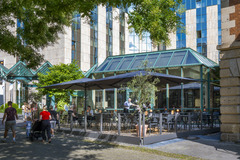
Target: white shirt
23	107
127	104
90	113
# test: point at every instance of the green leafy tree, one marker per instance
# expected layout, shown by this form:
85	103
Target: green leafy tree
44	20
143	87
58	74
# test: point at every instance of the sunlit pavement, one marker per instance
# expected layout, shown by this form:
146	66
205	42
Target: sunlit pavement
64	147
207	147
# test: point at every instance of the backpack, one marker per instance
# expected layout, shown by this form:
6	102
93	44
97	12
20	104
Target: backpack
53	115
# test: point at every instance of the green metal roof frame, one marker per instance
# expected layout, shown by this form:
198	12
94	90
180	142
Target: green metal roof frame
19	71
87	74
158	59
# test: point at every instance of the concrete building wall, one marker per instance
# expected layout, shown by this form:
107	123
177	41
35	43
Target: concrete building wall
172	45
9	60
85	45
115	31
126	34
191	32
101	34
60	52
212	33
230	71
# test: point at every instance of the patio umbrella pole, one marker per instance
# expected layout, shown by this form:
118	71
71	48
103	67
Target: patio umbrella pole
85	109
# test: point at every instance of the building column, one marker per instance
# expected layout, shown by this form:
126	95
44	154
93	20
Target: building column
230	71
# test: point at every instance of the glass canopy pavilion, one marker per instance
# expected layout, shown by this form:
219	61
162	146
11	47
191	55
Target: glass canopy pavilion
183	62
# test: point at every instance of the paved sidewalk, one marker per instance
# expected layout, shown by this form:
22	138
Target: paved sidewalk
66	147
206	147
72	147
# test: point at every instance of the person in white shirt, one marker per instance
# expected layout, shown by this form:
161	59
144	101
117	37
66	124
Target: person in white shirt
89	111
66	107
23	110
90	116
127	105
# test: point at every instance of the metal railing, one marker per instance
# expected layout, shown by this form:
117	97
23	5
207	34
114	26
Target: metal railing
131	124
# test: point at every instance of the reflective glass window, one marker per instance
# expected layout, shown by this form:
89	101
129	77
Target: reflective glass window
204	11
125	63
204	26
190	59
204	40
109	98
204	33
163	59
137	62
198	4
215	2
188	5
114	63
151	59
209	2
198	26
199	49
177	58
104	65
204	3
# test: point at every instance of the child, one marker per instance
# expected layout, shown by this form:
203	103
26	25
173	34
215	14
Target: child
28	126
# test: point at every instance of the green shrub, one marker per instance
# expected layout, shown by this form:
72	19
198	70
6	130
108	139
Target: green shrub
19	111
14	105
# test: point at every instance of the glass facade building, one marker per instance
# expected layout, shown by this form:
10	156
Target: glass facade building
203	11
76	38
204	93
200	19
109	28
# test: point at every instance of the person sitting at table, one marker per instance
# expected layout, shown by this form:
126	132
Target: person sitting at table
127	105
71	113
90	115
165	110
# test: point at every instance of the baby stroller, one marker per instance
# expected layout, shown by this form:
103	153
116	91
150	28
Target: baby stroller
35	132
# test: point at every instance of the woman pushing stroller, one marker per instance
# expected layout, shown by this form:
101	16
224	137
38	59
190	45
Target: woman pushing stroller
45	117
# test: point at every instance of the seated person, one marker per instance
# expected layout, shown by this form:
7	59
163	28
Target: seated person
71	113
90	115
127	105
90	112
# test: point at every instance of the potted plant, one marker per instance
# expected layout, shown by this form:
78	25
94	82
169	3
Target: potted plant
143	87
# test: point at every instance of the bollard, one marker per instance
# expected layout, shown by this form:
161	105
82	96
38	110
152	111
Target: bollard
201	120
101	122
71	123
139	127
119	124
85	121
189	121
211	120
160	123
175	124
143	126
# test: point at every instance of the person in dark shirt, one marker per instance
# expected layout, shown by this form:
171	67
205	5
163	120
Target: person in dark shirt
54	119
10	123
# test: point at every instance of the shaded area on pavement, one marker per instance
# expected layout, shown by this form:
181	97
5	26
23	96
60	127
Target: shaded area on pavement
65	147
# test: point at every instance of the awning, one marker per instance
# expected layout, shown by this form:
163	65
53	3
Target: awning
118	81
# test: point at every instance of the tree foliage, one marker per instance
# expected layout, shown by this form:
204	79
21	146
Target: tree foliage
58	74
143	87
44	20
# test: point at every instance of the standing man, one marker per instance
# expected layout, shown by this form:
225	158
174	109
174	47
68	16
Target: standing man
10	113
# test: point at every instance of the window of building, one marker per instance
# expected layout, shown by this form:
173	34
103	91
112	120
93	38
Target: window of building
76	38
199	34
